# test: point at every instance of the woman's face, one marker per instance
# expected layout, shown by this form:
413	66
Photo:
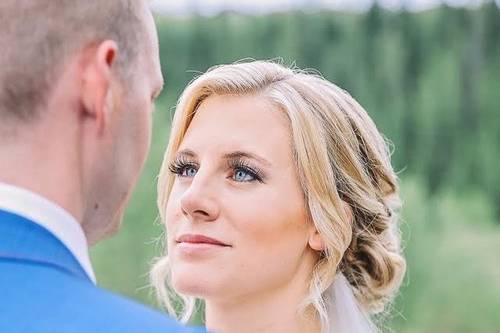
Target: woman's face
236	216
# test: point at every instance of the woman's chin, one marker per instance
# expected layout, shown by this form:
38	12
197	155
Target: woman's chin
195	284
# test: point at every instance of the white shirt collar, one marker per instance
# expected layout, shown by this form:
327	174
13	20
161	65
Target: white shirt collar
50	216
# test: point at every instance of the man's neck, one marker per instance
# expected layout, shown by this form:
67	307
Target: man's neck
49	175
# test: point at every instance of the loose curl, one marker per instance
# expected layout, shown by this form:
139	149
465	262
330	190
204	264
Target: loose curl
344	168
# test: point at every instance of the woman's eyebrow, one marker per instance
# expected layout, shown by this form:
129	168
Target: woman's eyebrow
228	156
243	154
187	153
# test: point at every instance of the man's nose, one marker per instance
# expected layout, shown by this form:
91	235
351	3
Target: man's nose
199	202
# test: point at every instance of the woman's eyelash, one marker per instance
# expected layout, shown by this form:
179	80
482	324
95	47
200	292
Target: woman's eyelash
179	165
240	164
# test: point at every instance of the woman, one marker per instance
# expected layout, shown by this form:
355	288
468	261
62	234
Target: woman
280	205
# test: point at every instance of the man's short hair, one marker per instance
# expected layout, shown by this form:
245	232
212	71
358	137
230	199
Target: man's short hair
37	37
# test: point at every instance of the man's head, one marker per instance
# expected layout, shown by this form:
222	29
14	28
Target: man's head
77	83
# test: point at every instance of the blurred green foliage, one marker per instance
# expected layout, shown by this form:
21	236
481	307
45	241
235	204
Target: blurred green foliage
430	81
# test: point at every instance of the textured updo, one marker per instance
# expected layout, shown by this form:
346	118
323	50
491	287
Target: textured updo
345	172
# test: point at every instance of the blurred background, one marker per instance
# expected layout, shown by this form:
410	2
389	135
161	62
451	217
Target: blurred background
428	74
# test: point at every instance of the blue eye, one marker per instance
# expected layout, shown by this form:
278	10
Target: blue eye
183	168
240	172
189	171
241	175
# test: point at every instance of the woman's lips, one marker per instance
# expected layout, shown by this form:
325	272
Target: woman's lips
200	240
198	246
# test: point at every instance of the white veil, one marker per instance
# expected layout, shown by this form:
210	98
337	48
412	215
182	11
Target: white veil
344	313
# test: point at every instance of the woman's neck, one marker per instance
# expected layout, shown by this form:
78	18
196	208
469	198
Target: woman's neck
275	311
221	320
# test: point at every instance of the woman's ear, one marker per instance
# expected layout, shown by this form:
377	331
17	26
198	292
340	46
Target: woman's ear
348	211
316	241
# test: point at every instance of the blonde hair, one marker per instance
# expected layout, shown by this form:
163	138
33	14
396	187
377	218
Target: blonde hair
344	167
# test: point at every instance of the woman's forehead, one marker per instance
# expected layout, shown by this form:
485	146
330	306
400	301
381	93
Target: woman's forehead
238	123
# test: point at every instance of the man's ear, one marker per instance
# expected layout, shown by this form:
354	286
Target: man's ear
96	82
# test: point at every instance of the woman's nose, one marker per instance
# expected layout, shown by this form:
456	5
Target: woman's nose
199	201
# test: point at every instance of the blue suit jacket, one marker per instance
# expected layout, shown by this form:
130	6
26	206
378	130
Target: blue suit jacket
43	288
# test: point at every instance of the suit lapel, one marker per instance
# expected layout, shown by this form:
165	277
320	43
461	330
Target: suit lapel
25	241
